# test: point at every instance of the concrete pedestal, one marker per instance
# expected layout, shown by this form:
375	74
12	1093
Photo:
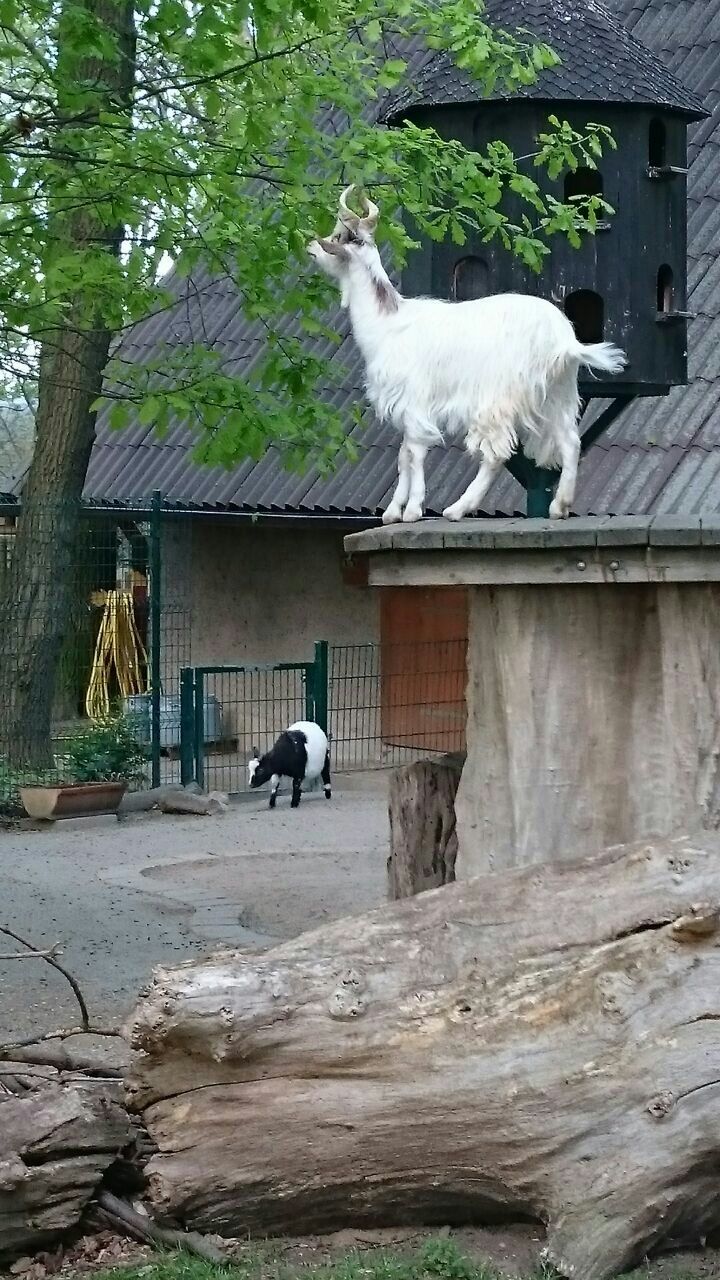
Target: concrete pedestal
593	692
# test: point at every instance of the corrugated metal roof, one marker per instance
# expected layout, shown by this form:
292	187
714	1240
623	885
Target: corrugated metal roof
599	62
662	455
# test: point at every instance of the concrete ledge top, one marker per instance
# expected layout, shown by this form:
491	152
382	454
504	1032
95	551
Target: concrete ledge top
531	535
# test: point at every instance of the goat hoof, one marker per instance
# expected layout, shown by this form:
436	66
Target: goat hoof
411	514
393	515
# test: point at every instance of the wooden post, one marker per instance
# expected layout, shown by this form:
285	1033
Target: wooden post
423	840
593	677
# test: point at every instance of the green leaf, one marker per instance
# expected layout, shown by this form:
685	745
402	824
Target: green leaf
119	416
149	411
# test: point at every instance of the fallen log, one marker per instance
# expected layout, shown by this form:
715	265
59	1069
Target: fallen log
423	841
174	799
541	1044
56	1142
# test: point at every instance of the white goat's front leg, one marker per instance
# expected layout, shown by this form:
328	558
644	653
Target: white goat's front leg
561	504
394	512
468	503
416	500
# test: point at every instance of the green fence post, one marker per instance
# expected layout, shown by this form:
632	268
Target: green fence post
320	683
155	617
540	484
187	726
200	728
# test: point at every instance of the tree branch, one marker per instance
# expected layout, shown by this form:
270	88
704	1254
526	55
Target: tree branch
85	1016
122	1216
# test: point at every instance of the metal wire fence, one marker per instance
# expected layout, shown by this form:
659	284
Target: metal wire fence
390	703
382	705
90	626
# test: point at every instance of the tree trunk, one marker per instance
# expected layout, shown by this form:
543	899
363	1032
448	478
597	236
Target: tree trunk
423	842
56	1142
541	1044
73	357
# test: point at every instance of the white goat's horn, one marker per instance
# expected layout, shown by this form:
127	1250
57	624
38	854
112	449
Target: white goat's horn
346	214
372	213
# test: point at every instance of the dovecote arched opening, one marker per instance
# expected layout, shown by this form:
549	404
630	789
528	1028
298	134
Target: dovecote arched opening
665	290
585	310
657	144
470	279
581	185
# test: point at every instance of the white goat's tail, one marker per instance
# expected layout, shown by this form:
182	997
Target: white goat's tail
604	356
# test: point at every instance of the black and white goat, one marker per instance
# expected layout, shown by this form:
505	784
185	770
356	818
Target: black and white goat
496	371
301	753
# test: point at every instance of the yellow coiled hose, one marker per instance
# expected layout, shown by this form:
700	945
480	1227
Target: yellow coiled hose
120	657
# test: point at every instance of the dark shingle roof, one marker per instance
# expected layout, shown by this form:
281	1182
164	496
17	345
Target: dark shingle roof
661	456
599	62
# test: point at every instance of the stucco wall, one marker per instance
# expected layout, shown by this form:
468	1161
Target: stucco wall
253	594
266	595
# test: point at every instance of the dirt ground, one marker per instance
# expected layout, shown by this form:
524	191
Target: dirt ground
124	896
514	1251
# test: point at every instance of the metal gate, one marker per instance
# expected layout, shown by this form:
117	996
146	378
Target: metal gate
234	708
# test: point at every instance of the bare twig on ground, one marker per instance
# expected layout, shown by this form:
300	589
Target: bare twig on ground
122	1216
50	954
63	1059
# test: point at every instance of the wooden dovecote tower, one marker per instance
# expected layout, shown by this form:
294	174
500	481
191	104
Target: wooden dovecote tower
626	284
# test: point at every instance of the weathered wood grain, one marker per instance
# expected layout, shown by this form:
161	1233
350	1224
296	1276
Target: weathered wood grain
423	840
544	1042
593	720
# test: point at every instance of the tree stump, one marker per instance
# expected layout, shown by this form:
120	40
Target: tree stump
56	1142
423	842
543	1043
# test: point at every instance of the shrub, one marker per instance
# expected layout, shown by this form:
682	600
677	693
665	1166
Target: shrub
108	751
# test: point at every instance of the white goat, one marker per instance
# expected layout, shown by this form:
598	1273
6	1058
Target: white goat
498	371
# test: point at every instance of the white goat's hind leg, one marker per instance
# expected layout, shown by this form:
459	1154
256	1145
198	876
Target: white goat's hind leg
561	504
394	512
416	500
470	500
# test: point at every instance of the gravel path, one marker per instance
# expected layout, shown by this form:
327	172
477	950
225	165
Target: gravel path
125	896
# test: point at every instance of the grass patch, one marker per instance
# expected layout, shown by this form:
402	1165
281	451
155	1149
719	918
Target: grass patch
438	1259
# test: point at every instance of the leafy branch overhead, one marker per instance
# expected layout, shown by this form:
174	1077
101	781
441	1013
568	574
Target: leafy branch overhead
224	155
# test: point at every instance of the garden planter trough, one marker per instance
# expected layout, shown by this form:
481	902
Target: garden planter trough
78	800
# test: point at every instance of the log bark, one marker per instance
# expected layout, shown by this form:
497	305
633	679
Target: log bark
56	1142
423	841
543	1044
